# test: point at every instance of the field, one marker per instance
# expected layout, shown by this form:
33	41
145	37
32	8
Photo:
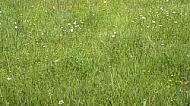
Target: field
95	52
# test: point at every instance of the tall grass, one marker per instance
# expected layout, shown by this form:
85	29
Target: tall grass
99	53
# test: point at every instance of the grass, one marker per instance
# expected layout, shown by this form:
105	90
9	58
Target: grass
99	53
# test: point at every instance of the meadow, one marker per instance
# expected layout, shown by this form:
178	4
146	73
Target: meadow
95	52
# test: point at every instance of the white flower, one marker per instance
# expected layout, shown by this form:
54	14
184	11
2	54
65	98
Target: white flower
76	26
8	78
161	8
81	22
174	12
153	21
0	12
56	60
16	27
61	102
143	17
114	33
75	23
71	30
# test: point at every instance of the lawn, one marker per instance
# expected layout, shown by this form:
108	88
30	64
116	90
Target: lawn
95	52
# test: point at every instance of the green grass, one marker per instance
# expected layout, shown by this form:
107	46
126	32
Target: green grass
95	53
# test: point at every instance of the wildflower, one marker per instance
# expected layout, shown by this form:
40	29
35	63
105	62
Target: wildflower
153	21
174	12
76	26
8	78
81	22
0	12
143	17
114	33
170	80
160	25
16	27
55	61
75	23
61	102
161	8
71	30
